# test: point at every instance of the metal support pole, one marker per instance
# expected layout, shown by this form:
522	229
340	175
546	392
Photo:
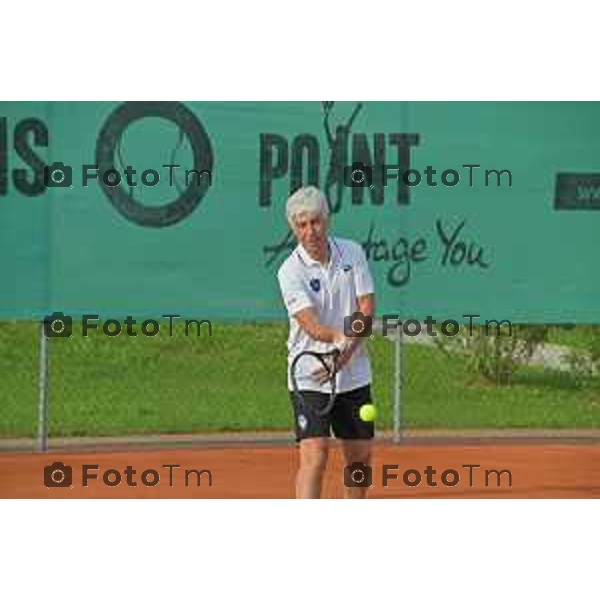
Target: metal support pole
43	392
397	436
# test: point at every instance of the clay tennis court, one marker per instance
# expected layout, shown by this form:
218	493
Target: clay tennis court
537	471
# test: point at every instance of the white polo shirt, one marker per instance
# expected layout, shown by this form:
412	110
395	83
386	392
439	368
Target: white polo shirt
333	292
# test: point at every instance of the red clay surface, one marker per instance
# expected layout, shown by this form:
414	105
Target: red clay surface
538	471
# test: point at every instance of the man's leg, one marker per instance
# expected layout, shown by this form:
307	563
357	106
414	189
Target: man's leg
356	451
312	435
313	460
355	434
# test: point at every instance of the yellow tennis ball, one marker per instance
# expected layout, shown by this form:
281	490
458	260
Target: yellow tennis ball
368	412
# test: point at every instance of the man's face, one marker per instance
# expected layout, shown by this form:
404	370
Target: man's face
311	231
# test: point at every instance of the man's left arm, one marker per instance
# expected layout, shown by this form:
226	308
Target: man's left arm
366	305
365	300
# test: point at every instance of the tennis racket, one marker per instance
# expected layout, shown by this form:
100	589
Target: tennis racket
327	360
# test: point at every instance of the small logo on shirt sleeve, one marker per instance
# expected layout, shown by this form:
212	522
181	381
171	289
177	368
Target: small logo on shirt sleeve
315	285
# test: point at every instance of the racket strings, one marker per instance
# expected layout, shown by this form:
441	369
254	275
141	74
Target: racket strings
328	361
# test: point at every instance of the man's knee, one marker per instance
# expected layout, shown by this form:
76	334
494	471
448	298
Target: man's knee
313	453
357	451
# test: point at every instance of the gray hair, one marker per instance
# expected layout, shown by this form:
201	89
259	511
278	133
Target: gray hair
306	200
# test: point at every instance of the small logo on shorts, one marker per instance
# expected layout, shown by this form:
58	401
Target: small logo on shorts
302	422
315	284
347	268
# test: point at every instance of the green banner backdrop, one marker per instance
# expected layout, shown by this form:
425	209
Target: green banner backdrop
504	222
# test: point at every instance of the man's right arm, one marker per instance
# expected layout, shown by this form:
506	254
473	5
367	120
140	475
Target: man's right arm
307	319
299	307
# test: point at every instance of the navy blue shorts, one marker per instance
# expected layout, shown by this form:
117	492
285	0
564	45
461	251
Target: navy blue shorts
343	420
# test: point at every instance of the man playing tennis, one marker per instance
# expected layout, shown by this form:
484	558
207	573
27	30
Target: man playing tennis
324	280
